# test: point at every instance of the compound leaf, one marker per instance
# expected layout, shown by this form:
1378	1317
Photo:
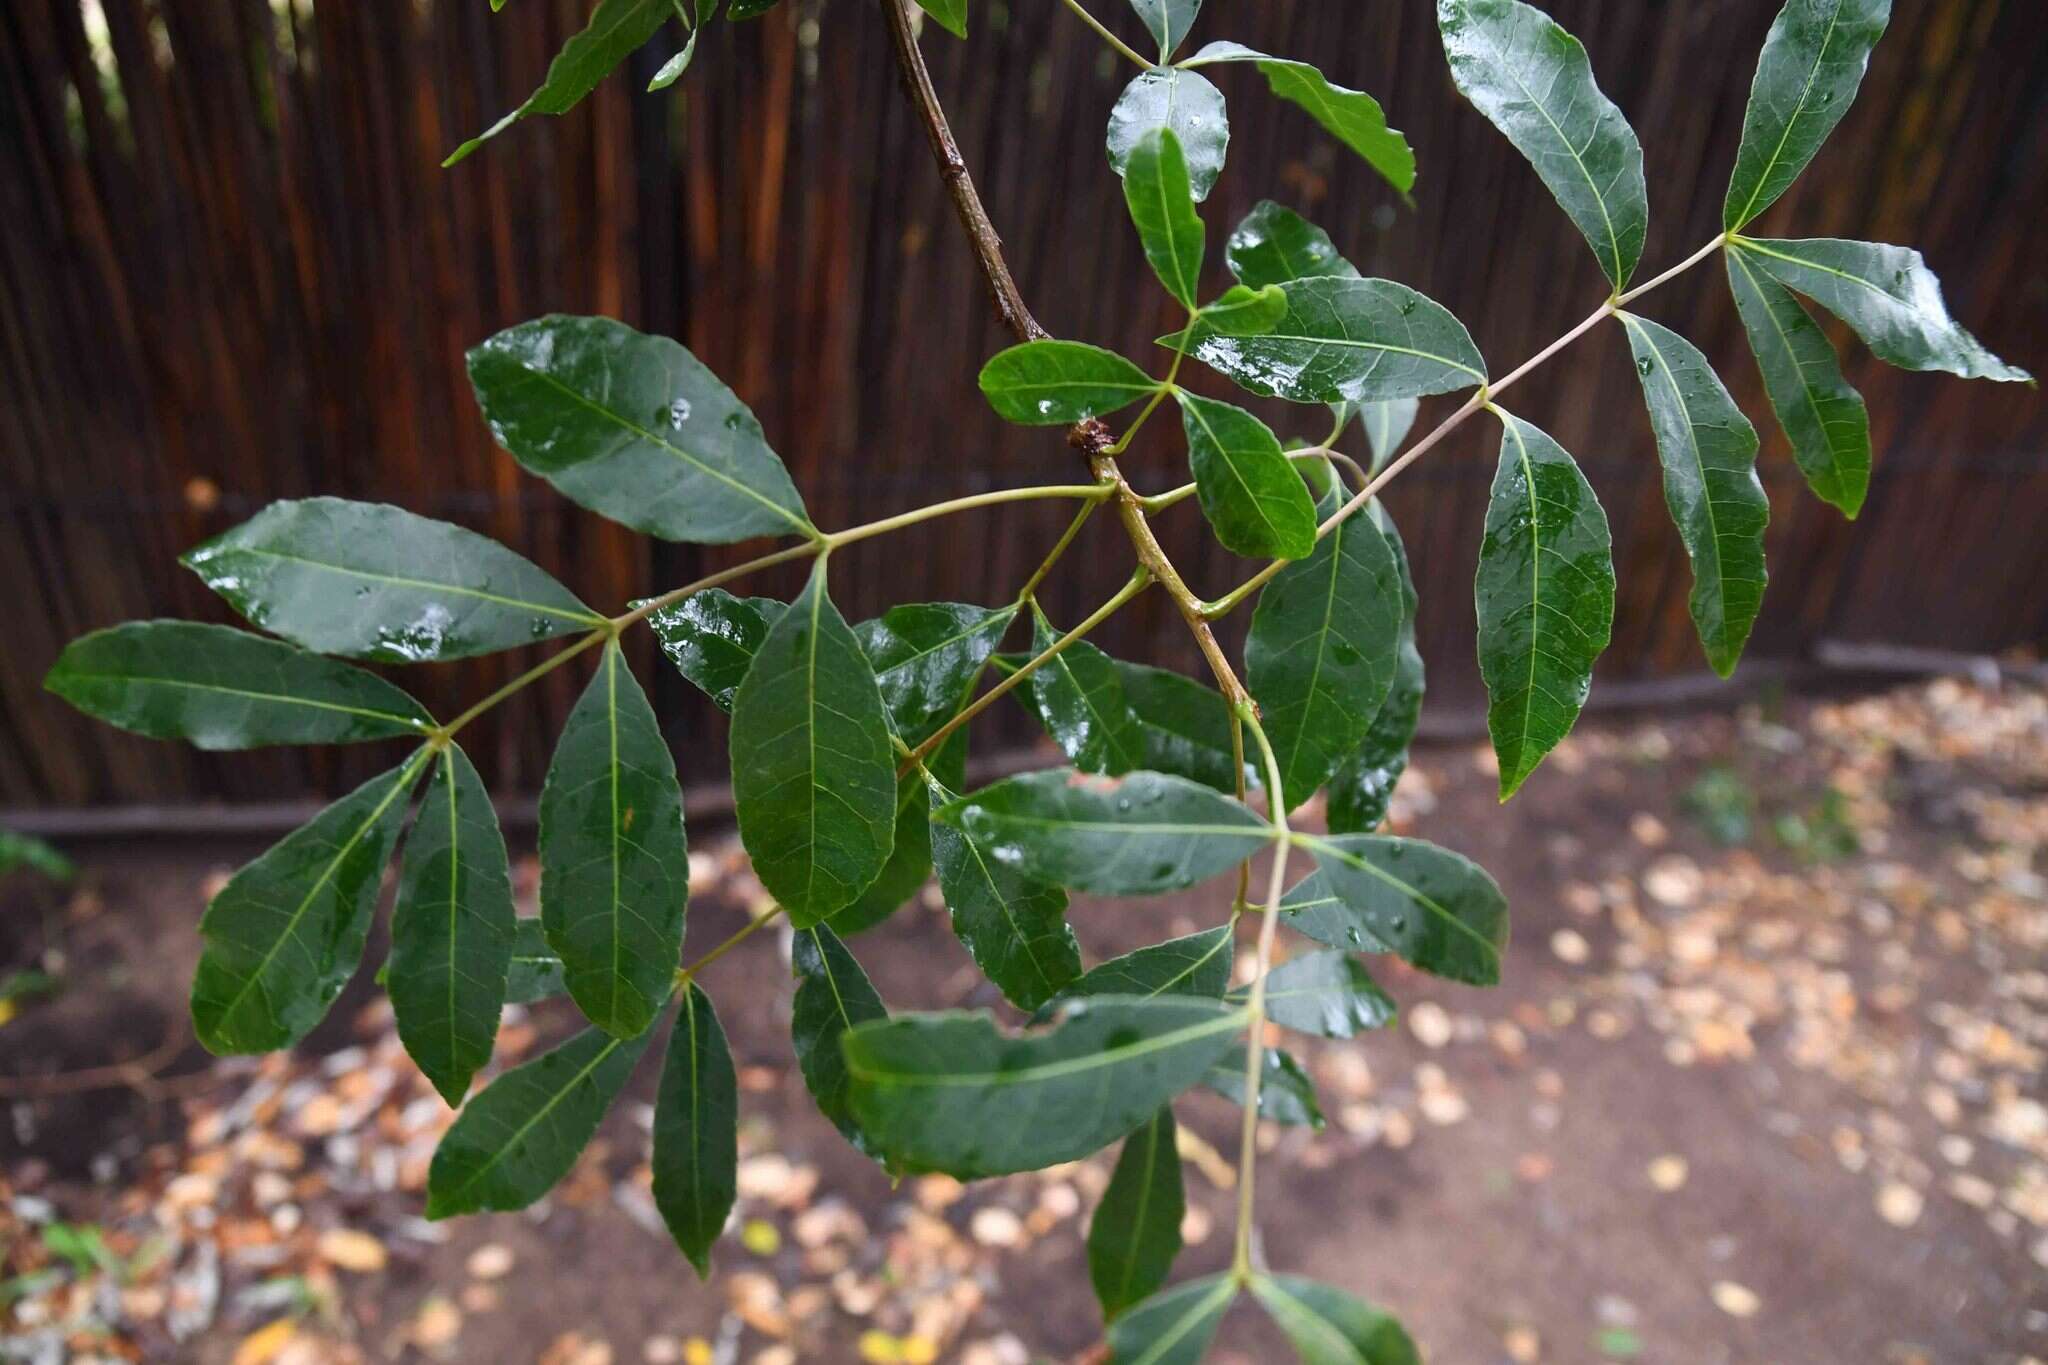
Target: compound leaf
1168	97
1353	117
635	428
452	929
1058	383
947	1092
1533	82
524	1131
372	581
285	934
216	687
1708	449
1254	500
614	861
696	1131
1135	1233
1350	339
814	779
1439	911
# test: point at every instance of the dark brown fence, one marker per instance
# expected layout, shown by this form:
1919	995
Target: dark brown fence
233	272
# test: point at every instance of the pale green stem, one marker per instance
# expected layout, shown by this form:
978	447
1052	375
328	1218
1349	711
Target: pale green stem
1255	1042
540	670
684	975
1059	548
1093	492
1115	42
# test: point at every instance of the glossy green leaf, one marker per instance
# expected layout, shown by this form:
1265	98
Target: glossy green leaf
1812	63
1823	417
534	971
1351	339
1329	1327
1168	21
1175	1326
219	688
1250	492
1708	449
1440	911
523	1132
833	995
711	637
1196	965
452	930
1286	1094
1311	908
617	28
1386	426
1014	928
1058	383
1329	994
950	14
1079	698
1184	726
635	428
749	9
1321	654
1167	97
1237	312
1162	206
372	581
672	70
696	1131
926	657
1545	597
1888	297
1132	836
910	855
1353	117
814	776
1274	245
1533	82
286	933
25	851
1135	1233
614	865
1362	786
948	1092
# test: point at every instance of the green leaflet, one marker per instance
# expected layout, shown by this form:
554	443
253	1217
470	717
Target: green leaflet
534	971
1286	1094
950	14
1322	649
1329	1327
1351	339
1362	786
1439	911
372	581
1353	117
1168	21
1250	492
947	1092
285	934
910	856
711	637
1532	81
1888	297
19	851
1167	97
635	428
672	70
1174	1327
1134	836
814	777
1058	383
926	657
1135	1232
833	994
1195	965
1708	449
452	930
523	1132
696	1131
1806	78
1274	245
219	688
1162	205
1183	726
614	861
1014	928
1079	698
749	9
1329	994
1310	907
1236	312
1386	426
1545	597
617	28
1823	417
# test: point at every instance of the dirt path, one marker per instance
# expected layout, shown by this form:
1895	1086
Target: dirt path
1773	1099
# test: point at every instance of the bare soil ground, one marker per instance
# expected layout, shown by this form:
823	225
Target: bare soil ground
1772	1098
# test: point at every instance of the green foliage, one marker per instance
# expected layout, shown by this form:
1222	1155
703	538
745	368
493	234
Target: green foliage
23	851
849	743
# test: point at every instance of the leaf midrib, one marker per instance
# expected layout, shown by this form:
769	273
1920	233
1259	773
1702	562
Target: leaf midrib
1055	1070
